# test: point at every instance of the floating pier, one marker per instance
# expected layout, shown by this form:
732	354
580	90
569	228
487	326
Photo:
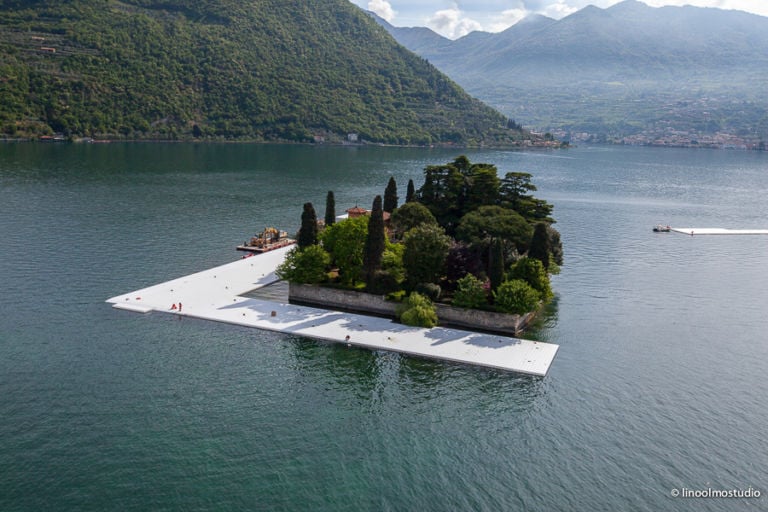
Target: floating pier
719	231
216	294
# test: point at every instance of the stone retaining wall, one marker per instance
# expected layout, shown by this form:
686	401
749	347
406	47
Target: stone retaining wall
334	298
483	320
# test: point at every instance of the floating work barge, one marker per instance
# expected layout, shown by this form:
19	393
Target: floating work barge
268	240
216	294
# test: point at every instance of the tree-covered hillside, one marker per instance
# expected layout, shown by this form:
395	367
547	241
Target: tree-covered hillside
254	69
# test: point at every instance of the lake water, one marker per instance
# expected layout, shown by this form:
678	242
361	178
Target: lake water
659	384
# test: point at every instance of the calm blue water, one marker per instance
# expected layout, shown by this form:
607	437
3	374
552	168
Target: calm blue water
659	382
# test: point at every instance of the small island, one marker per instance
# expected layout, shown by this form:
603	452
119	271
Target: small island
467	249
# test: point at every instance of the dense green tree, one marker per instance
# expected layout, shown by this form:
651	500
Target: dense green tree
532	272
411	192
330	208
308	265
515	186
514	193
535	210
390	196
444	192
345	241
484	187
308	231
375	242
426	247
452	190
515	297
408	216
539	247
480	227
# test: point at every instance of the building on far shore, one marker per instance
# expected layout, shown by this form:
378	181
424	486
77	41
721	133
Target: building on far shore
357	211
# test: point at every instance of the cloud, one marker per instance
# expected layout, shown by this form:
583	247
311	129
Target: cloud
459	17
506	19
382	8
452	23
559	8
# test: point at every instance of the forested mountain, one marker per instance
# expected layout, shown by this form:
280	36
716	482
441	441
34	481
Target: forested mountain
622	69
225	69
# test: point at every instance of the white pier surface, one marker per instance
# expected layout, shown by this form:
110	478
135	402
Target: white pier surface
719	231
215	295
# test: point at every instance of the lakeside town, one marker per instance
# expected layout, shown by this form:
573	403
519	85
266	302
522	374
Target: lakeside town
712	122
668	137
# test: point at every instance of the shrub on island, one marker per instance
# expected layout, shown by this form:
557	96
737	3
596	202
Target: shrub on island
470	293
305	266
417	311
531	270
516	297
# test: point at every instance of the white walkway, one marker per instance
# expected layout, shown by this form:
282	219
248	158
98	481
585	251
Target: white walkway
215	295
719	231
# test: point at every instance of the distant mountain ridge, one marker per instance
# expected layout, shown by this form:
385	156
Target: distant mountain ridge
622	69
224	69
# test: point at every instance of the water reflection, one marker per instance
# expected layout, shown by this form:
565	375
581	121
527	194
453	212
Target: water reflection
335	367
379	380
541	328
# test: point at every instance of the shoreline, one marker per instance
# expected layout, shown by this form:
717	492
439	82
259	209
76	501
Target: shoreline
544	145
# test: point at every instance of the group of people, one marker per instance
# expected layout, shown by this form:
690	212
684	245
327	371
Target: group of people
174	307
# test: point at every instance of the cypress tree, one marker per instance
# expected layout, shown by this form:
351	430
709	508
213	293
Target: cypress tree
375	242
330	209
411	193
390	196
308	231
496	265
539	248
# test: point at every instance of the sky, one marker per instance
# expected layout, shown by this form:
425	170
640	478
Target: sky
455	18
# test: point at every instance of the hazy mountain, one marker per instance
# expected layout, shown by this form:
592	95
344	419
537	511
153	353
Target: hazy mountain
263	69
420	40
621	69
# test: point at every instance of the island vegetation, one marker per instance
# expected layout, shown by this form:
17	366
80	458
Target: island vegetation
467	238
